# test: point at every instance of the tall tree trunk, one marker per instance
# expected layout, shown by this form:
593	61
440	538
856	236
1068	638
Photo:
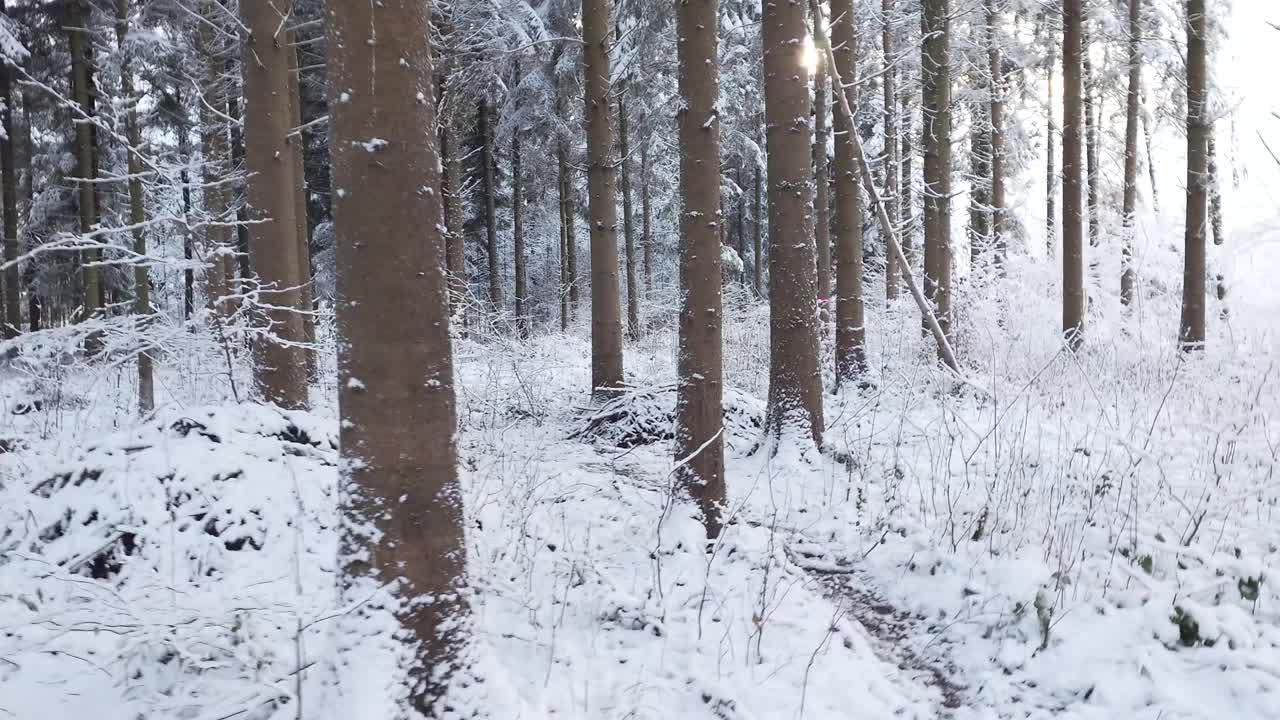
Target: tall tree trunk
935	73
979	185
1090	152
1191	335
562	185
35	305
822	193
628	236
1072	186
216	165
1128	276
757	251
795	380
1215	214
279	368
850	334
906	206
699	446
397	431
646	216
999	218
490	215
893	167
455	220
243	259
606	325
9	180
188	249
517	222
1151	161
297	141
1051	154
137	213
91	275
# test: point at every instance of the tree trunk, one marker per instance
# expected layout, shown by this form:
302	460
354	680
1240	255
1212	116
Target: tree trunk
216	166
822	194
91	275
137	213
296	140
35	306
188	249
606	324
517	222
699	446
795	380
279	368
9	179
979	185
566	235
1191	334
242	257
1151	161
397	431
490	215
935	73
1215	214
850	334
628	237
1072	200
646	217
455	220
1091	152
1128	276
906	206
893	166
999	219
1051	153
757	251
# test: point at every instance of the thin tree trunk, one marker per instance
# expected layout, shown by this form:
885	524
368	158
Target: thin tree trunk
35	306
455	220
628	236
822	194
566	236
306	301
795	380
397	431
850	361
242	256
188	251
999	219
646	215
1091	153
1151	161
1072	185
699	446
979	185
757	251
1191	335
606	324
906	206
9	179
279	368
91	276
935	76
893	167
517	222
490	215
1215	214
137	213
1051	154
216	166
1128	276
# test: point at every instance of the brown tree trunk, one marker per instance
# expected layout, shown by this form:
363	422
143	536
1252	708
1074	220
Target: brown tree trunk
242	257
606	323
91	276
490	215
646	217
188	248
979	185
906	206
566	231
35	305
9	193
822	194
795	380
1091	152
893	166
1072	185
757	251
1128	276
628	236
517	222
699	445
1051	153
306	302
1191	335
1215	214
935	73
216	165
279	368
999	220
397	430
455	219
137	213
1151	162
850	334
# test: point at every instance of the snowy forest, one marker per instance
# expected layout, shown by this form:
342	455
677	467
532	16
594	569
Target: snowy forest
636	360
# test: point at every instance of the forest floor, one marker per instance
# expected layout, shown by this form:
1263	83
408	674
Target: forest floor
1079	536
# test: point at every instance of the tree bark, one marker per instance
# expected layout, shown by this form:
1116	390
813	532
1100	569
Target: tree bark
517	222
1051	153
137	212
396	395
1072	200
893	166
490	215
999	218
757	251
188	247
795	381
606	323
979	185
1128	276
699	445
279	367
822	194
628	236
566	236
9	193
1090	150
216	166
306	301
935	73
455	220
1215	214
91	276
1191	335
243	259
850	361
646	217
